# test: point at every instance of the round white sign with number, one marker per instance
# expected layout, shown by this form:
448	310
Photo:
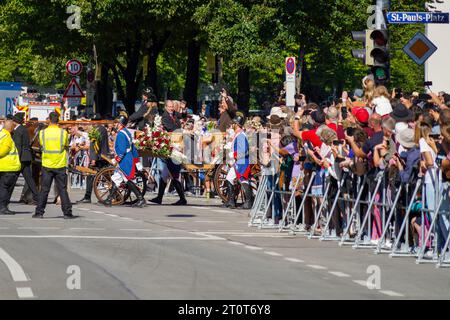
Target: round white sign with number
74	67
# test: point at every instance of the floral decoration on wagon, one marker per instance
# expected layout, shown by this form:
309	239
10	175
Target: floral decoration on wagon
154	141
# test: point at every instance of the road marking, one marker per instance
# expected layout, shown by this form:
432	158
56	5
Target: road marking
104	237
274	254
235	243
4	228
127	219
315	266
146	230
339	274
165	221
38	228
391	293
253	248
88	229
14	268
83	209
11	218
221	211
111	215
294	260
25	293
361	282
101	212
94	220
206	221
200	208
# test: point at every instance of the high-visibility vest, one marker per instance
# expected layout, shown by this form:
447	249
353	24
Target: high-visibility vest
11	161
54	142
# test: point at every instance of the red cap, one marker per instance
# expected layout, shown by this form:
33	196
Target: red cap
361	114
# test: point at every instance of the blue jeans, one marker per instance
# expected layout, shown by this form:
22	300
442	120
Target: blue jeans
276	200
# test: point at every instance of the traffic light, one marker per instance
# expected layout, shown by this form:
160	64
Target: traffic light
377	47
375	52
361	54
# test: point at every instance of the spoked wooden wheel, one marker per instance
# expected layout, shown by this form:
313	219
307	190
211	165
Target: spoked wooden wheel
220	182
103	184
141	183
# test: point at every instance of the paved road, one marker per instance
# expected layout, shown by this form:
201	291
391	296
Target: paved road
200	251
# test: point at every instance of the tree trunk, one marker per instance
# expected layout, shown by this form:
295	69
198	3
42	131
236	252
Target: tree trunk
192	75
244	89
102	96
157	45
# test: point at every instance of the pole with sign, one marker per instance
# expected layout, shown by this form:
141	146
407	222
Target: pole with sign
290	68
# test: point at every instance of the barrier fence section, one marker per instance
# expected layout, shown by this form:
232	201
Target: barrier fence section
366	212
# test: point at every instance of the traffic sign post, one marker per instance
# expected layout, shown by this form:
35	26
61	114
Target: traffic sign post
290	68
73	90
419	48
74	67
417	17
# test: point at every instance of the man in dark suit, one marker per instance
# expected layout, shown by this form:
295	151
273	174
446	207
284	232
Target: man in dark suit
171	122
22	142
149	104
96	150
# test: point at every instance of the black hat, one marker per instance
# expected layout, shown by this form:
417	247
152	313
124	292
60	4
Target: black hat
318	116
122	120
147	91
152	98
402	113
18	117
239	120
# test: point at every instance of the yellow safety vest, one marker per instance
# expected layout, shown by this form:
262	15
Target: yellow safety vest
9	157
54	142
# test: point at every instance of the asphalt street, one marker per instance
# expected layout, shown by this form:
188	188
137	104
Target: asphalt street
200	251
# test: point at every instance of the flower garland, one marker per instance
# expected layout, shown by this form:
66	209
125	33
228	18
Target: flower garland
155	140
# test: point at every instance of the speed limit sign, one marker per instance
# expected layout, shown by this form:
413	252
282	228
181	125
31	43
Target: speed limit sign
74	67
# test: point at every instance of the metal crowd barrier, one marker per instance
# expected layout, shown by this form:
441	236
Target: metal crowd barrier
393	219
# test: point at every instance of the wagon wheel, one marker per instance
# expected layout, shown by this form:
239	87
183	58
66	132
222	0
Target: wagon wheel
102	185
141	183
220	182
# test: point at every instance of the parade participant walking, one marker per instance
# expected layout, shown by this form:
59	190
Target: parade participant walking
9	166
126	157
54	142
241	169
171	122
99	147
22	142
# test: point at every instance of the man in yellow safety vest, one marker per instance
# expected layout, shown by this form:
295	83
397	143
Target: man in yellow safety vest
9	166
54	143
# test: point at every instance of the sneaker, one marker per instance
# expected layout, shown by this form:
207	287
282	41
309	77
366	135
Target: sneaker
37	216
181	202
375	241
69	216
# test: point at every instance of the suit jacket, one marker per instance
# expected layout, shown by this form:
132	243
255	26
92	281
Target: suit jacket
138	116
171	123
22	142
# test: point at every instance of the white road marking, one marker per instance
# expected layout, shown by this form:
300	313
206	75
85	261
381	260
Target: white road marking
83	209
315	266
38	228
252	248
94	220
361	282
104	237
294	260
14	268
111	215
391	293
87	229
235	243
200	208
339	274
165	221
101	212
127	219
25	293
221	211
146	230
206	221
274	254
4	228
11	218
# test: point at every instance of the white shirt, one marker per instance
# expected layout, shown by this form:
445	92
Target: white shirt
431	172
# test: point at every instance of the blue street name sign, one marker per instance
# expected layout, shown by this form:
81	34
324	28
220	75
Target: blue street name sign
417	17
